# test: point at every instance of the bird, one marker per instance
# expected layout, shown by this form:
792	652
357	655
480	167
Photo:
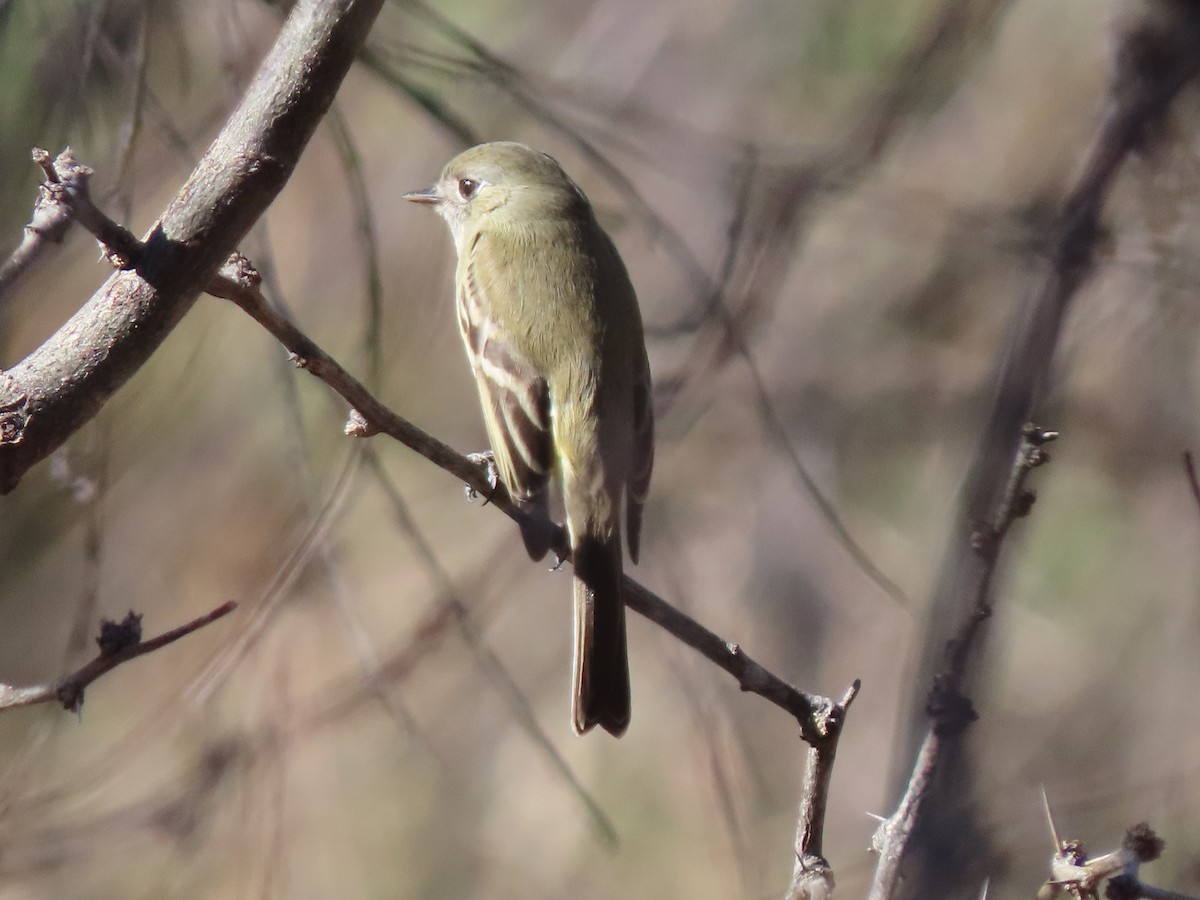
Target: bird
554	335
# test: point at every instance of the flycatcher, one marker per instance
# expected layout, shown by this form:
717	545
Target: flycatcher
553	332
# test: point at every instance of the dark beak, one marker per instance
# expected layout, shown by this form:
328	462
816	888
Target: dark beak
429	195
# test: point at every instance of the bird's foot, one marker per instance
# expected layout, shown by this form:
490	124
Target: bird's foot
486	461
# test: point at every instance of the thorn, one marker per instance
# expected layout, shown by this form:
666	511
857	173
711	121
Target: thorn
1050	821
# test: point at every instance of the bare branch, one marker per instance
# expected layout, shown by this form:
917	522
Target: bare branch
946	705
239	282
51	219
67	180
1074	873
60	386
892	837
119	643
368	239
1157	53
812	877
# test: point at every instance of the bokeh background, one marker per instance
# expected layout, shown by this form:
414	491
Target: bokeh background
386	715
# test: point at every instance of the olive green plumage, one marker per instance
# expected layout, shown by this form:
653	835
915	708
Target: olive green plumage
553	332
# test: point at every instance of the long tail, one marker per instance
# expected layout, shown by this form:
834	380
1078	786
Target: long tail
600	691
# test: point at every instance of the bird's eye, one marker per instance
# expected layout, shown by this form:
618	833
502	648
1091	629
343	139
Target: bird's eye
467	187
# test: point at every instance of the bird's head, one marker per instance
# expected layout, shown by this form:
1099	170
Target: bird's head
504	179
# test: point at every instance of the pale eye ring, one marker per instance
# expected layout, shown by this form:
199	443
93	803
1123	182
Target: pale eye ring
467	187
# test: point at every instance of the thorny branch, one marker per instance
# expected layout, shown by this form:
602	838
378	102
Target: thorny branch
1157	53
949	709
119	643
1074	873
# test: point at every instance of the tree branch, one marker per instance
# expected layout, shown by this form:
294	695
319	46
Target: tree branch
812	876
1075	874
238	282
946	705
47	226
60	386
1157	53
119	643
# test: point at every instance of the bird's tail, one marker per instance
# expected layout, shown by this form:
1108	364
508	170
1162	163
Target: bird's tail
600	690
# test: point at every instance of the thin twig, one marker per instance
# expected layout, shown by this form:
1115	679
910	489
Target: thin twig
812	877
894	834
69	182
238	282
131	127
351	694
270	600
88	483
950	710
1157	53
368	240
69	690
455	125
133	71
52	217
357	635
1074	873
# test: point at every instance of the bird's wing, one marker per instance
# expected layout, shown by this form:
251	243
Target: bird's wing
514	397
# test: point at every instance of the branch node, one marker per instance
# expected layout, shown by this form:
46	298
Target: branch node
1145	844
849	695
240	269
1023	504
117	636
44	161
358	426
812	878
70	694
14	418
951	711
1036	435
115	258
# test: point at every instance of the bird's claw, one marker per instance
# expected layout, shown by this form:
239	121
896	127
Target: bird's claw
558	562
487	461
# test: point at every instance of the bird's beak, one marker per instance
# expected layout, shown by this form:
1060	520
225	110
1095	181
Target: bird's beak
429	195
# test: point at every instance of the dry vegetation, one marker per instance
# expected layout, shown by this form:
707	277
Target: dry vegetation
837	215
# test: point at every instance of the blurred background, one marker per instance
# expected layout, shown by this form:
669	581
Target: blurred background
831	211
